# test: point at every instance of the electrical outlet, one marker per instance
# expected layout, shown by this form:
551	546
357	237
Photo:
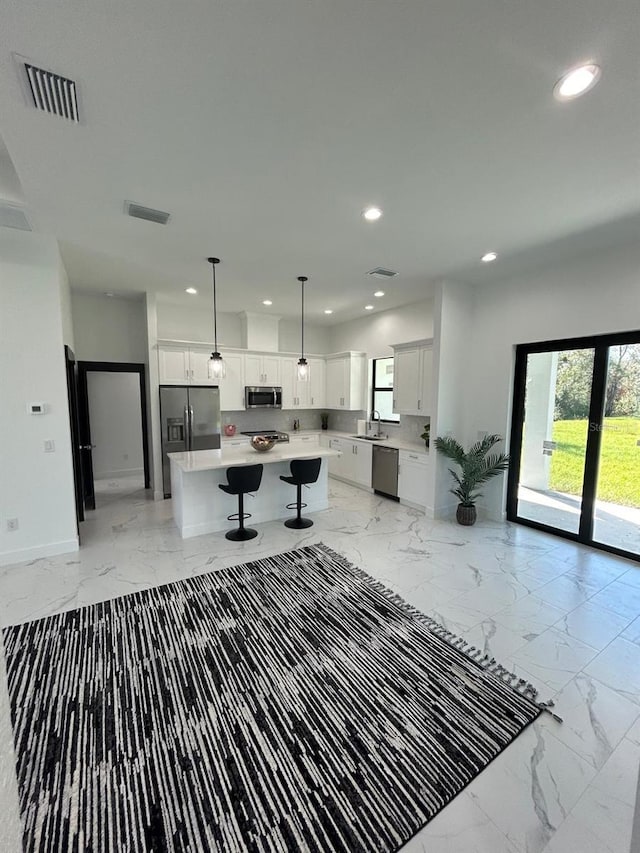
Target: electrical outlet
49	445
12	524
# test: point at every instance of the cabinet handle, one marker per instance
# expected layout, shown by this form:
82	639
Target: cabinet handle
312	401
411	456
419	404
394	404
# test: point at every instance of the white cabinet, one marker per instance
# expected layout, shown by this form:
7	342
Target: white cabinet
179	365
309	394
316	386
345	382
299	441
232	386
294	392
235	442
361	470
173	365
262	369
354	465
412	378
199	366
412	478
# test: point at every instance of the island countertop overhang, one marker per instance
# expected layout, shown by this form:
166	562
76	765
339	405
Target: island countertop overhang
211	460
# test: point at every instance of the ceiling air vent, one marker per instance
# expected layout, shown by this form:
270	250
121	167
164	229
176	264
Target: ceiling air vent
148	213
52	93
13	217
381	272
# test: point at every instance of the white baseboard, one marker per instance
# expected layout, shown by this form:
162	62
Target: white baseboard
23	555
121	472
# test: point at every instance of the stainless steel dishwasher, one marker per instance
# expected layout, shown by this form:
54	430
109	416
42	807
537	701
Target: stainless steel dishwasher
384	475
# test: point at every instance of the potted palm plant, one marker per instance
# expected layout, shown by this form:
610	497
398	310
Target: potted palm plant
476	467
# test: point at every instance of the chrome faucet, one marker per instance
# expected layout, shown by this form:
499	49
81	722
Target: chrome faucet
373	414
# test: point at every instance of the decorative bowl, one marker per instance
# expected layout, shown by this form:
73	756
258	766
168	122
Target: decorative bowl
262	443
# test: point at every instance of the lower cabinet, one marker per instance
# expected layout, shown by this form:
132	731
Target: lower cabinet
304	440
412	478
354	465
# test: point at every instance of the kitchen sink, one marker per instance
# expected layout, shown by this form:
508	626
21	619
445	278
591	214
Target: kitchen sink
369	437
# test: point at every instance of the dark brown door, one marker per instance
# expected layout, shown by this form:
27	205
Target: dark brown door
72	395
88	493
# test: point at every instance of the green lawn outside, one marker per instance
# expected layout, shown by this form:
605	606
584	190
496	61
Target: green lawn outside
619	480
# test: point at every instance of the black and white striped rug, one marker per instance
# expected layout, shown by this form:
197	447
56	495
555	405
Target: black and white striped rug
288	704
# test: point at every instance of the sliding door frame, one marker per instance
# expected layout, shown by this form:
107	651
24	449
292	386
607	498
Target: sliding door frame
600	344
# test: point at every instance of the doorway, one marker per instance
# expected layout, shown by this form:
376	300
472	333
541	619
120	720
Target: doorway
112	414
575	440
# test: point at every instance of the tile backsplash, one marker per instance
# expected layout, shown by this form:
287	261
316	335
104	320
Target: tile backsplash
273	419
409	428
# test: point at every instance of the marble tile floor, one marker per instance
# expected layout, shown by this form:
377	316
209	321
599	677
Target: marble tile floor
564	616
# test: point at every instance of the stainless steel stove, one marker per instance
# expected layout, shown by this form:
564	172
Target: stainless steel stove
274	434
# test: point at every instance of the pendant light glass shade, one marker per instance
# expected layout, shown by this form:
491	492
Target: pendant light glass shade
216	368
303	370
303	367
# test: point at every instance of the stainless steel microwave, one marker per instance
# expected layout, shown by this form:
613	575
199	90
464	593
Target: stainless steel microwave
262	398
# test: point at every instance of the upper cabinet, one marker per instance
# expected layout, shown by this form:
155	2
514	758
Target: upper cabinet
262	369
345	383
232	386
413	378
309	394
184	365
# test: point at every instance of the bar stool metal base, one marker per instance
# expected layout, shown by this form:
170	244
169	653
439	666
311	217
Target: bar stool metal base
298	523
241	534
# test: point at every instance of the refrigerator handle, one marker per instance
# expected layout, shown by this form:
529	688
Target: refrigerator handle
190	427
187	435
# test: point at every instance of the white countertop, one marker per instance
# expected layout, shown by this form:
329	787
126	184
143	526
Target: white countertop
414	447
400	444
209	460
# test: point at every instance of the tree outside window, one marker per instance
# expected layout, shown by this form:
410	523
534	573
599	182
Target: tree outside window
382	389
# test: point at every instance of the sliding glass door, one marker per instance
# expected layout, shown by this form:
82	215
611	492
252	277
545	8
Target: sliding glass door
575	440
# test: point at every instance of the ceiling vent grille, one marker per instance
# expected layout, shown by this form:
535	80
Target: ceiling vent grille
52	93
381	272
13	217
140	212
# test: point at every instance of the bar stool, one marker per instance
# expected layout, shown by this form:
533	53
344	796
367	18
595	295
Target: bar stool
240	480
303	472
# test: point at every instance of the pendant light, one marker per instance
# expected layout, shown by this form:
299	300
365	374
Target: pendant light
303	367
217	367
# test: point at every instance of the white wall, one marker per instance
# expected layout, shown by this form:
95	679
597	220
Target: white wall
316	338
453	328
37	487
116	424
108	328
375	333
65	307
195	323
595	294
153	397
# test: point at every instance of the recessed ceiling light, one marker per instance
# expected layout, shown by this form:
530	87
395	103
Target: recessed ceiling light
490	256
328	310
368	307
379	293
191	290
372	213
267	302
108	293
576	82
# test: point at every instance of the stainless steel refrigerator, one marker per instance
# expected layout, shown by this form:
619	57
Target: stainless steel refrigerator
190	418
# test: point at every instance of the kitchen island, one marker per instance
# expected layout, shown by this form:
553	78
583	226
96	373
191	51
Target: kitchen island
199	506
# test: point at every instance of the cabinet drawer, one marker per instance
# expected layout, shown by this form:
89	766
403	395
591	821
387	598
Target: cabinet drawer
415	458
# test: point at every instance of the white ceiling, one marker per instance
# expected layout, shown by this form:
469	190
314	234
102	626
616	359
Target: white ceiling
265	127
